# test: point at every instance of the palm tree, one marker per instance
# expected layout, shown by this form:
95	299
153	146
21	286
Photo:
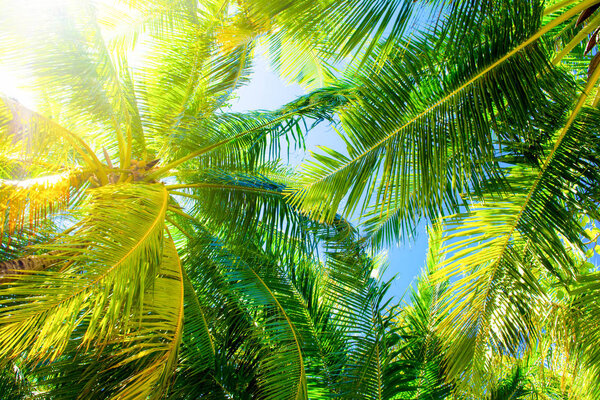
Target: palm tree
147	247
420	369
485	121
189	251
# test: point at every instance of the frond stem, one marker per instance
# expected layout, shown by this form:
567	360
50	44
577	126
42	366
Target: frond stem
563	4
183	214
179	227
218	186
589	28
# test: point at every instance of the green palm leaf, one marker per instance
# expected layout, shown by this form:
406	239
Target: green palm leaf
113	257
420	123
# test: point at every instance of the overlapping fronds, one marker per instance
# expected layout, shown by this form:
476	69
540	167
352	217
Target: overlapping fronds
153	341
198	348
238	341
33	144
276	296
28	202
417	369
424	129
241	207
67	49
184	78
292	304
14	384
16	250
553	367
360	320
580	332
106	264
251	280
501	247
139	361
306	37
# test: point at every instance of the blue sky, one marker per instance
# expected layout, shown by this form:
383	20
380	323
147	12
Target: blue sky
266	91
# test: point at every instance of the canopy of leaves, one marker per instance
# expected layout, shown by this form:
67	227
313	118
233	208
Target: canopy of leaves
154	244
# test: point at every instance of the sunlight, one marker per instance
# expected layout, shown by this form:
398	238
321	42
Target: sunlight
12	86
13	83
23	11
40	6
45	181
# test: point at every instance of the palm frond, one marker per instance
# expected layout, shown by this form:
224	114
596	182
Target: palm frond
34	143
86	81
244	141
187	82
501	245
28	202
322	30
198	348
422	125
160	337
106	265
242	206
362	317
139	360
14	384
417	369
262	288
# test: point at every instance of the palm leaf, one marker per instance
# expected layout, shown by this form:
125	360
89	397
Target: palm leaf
245	141
162	332
420	123
501	245
102	281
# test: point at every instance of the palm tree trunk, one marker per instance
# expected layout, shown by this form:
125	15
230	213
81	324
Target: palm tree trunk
27	263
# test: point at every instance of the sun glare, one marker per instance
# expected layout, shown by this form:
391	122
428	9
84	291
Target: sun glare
45	181
13	82
11	86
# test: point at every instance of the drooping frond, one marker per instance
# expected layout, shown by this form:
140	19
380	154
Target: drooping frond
139	361
322	320
26	203
106	264
305	38
198	348
32	144
156	336
252	280
361	318
238	341
501	247
242	207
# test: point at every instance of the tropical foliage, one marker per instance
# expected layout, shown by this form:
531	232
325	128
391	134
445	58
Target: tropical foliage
154	244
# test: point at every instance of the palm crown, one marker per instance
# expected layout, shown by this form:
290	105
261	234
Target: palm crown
156	246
